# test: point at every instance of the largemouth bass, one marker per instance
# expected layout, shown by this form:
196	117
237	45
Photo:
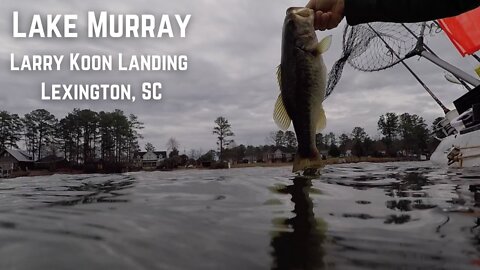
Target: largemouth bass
302	77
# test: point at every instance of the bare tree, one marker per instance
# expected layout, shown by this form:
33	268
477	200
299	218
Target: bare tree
195	153
270	139
149	147
172	144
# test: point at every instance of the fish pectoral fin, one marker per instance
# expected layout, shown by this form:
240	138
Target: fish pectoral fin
324	45
280	115
322	120
279	77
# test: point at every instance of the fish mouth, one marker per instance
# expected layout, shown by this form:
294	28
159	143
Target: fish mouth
304	12
300	11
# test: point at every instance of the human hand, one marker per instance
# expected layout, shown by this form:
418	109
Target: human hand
328	13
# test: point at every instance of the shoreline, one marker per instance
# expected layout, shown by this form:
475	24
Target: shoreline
330	161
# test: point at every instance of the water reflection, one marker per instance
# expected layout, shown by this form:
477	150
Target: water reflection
71	192
397	219
410	185
105	192
476	194
299	246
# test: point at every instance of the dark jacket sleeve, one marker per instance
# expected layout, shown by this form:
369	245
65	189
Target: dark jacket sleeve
363	11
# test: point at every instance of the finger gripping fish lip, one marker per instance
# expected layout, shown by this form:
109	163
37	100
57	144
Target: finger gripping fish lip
300	11
304	12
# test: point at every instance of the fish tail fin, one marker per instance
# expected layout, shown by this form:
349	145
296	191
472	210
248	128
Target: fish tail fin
302	163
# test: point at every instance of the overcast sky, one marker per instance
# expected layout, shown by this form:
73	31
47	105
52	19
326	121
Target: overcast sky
233	48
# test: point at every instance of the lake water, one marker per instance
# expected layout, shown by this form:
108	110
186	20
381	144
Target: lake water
357	216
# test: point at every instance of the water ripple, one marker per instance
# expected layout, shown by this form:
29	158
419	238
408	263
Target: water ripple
360	216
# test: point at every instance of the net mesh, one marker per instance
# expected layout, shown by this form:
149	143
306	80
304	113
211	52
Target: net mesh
376	46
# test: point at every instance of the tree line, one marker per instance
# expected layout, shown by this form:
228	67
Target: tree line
401	135
85	136
82	136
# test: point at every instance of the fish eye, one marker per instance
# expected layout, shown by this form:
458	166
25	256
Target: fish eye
291	23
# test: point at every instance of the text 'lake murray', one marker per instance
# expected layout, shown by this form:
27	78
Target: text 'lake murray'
102	25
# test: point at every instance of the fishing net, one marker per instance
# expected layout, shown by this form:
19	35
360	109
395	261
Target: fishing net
376	46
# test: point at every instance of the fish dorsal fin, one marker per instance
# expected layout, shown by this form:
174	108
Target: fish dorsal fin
280	115
279	77
321	119
324	45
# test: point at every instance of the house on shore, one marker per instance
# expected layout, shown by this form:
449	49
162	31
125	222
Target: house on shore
51	162
251	159
14	160
149	160
278	155
323	154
